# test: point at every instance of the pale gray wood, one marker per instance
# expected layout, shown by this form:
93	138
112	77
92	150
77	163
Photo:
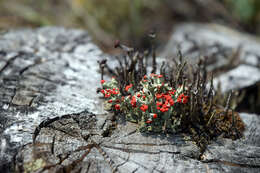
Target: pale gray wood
52	120
226	49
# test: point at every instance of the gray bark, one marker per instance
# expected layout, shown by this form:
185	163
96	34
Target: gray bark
52	120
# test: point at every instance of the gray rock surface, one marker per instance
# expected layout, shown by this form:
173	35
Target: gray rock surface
53	121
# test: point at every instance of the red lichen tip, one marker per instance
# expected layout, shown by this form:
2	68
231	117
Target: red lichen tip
144	107
102	81
149	121
117	107
128	87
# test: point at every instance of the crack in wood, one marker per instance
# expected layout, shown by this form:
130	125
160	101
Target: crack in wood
127	150
128	134
126	160
11	60
12	97
140	165
107	158
43	124
36	62
53	144
144	144
43	78
135	170
229	163
88	168
74	163
21	97
65	132
48	122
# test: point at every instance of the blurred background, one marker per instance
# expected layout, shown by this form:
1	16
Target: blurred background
129	20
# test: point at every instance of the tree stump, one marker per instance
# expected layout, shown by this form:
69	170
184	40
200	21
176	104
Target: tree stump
52	120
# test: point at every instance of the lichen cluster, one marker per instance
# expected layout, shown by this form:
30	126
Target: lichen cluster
156	106
179	99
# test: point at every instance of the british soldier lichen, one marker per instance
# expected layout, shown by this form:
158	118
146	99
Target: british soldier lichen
179	99
155	106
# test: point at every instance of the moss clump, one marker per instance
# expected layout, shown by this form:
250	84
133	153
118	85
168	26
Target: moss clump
178	100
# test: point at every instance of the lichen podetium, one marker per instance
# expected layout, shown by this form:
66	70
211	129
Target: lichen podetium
176	100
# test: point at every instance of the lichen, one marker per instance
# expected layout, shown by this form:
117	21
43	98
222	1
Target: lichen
155	106
34	165
179	99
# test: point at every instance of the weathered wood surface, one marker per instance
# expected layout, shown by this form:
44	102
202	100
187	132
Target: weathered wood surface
44	73
226	50
53	121
79	142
